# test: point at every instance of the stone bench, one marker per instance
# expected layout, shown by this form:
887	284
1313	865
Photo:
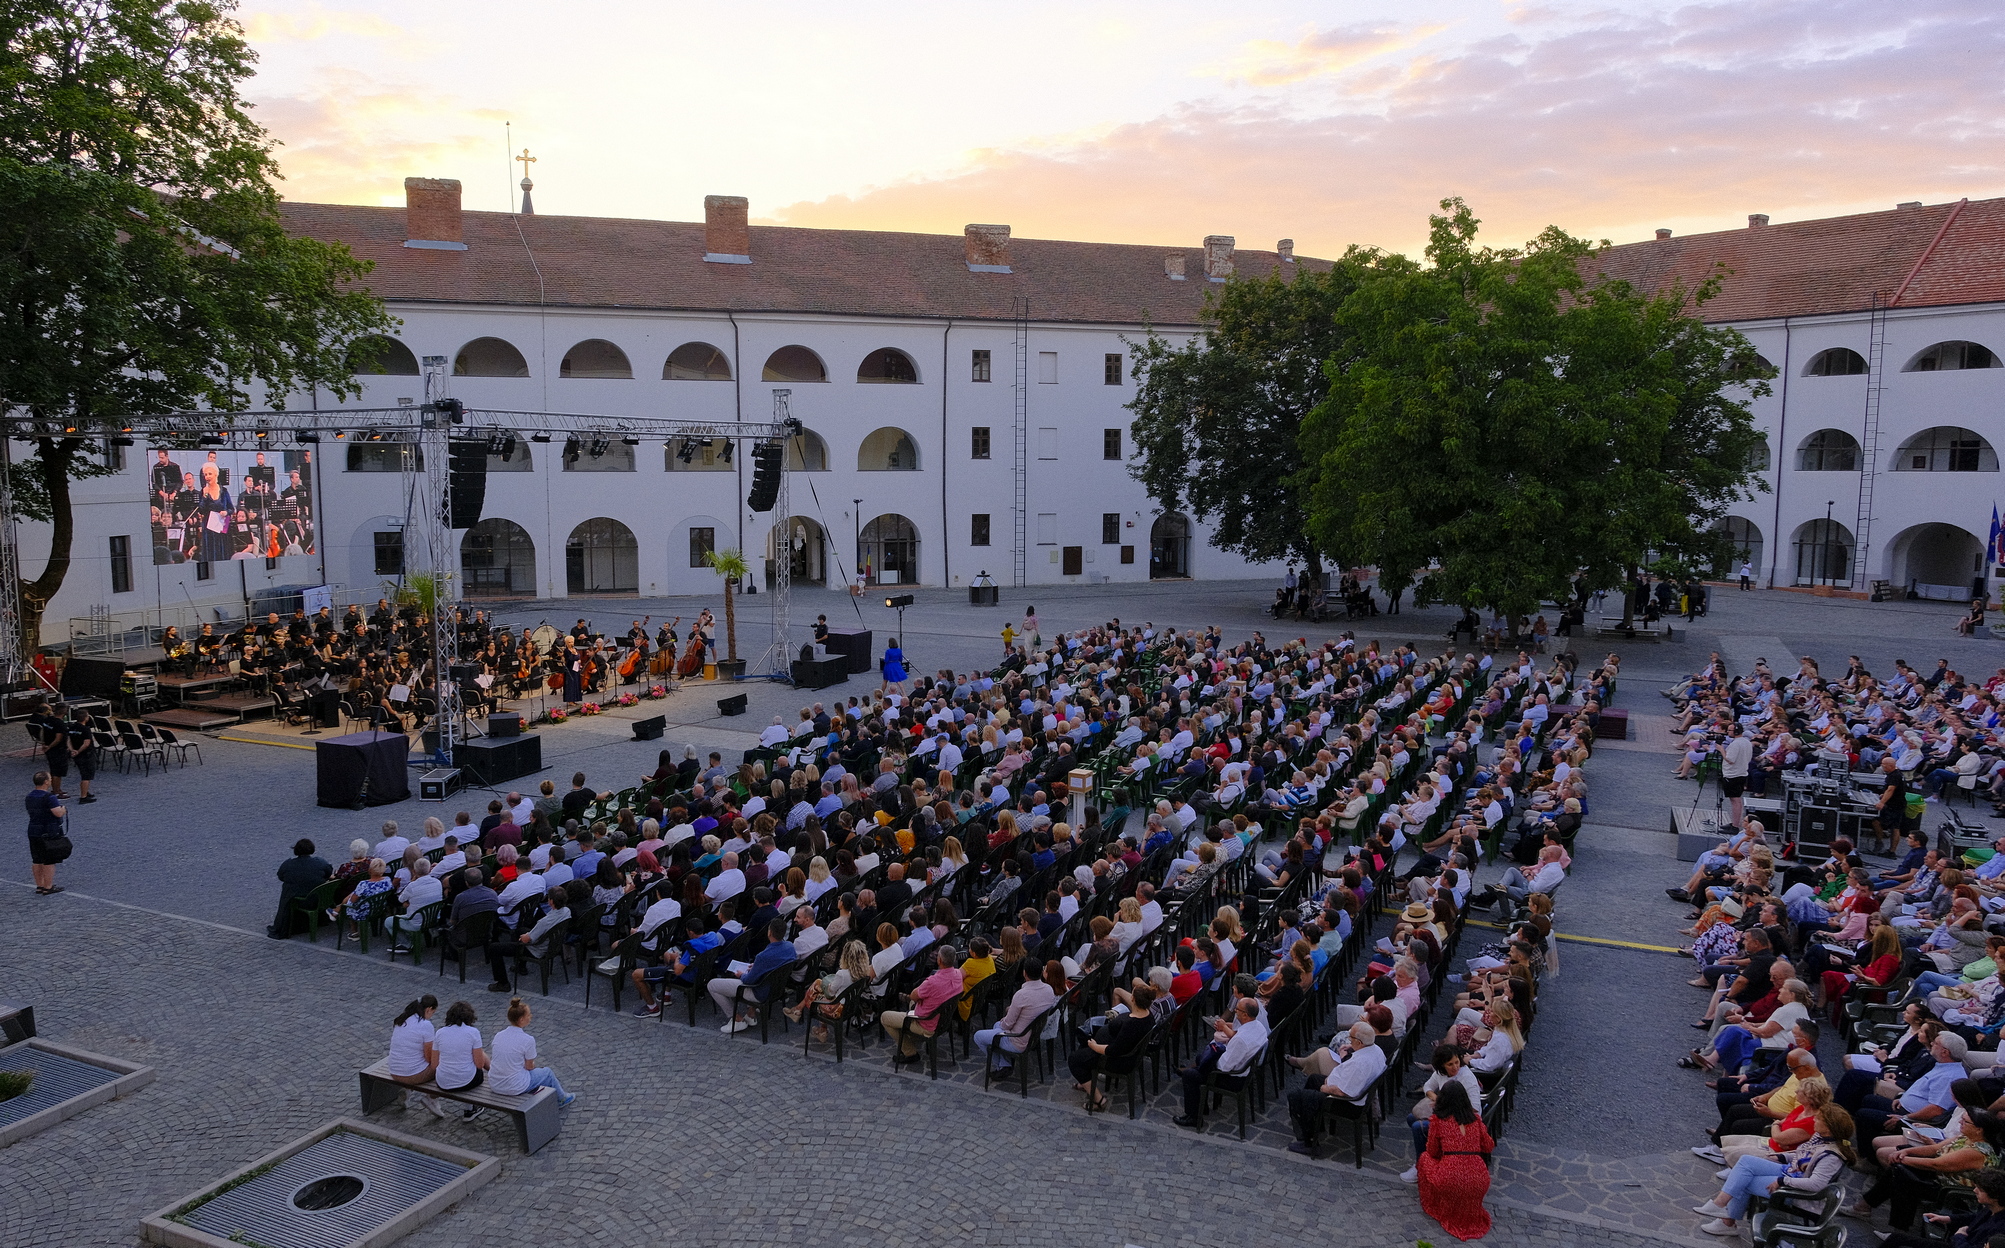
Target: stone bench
535	1113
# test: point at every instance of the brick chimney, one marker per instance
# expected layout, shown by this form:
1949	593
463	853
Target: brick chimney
987	248
1755	220
1218	257
1286	250
727	238
432	214
1663	233
1173	266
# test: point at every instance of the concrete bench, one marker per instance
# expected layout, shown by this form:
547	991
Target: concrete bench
1612	627
535	1114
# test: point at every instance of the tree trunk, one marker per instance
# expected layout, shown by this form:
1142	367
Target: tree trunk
54	464
731	617
1628	596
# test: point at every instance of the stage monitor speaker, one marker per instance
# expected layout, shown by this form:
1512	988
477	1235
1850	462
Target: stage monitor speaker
504	724
93	678
733	705
466	481
493	762
650	729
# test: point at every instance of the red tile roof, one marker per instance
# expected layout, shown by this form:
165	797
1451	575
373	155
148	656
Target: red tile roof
1807	268
612	262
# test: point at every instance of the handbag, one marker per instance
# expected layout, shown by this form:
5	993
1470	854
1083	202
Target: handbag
58	847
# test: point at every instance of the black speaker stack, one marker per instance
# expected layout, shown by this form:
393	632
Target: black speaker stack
767	458
466	480
493	760
650	729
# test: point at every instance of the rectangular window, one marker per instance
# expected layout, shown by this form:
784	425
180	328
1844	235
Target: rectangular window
979	444
1110	444
978	530
1116	365
1075	561
701	543
1127	554
1047	528
390	553
981	367
205	571
121	565
1047	368
1110	528
1047	442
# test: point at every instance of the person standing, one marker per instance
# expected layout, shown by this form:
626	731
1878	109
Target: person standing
1735	757
53	736
47	845
1746	576
83	752
893	666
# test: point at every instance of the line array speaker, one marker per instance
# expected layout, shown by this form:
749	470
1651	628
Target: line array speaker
466	481
767	458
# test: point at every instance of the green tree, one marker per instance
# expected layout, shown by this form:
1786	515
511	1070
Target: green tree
1218	420
731	565
143	266
1505	421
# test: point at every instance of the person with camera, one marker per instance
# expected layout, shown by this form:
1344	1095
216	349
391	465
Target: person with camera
47	843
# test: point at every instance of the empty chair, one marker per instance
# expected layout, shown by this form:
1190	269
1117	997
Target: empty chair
170	741
135	747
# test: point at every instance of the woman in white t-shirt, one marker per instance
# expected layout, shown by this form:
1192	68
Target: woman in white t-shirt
1448	1068
462	1062
513	1069
412	1057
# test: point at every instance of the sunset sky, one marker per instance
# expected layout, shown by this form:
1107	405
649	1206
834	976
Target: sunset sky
1332	123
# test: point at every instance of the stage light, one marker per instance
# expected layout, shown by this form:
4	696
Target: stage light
263	431
725	454
900	600
121	441
212	439
508	449
631	441
539	437
571	450
599	447
308	437
687	452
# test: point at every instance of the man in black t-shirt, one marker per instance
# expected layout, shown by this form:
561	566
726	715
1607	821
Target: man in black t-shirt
1893	807
45	828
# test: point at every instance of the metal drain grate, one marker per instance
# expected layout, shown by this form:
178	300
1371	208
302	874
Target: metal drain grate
57	1079
261	1209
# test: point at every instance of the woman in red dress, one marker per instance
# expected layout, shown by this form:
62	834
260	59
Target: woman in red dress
1453	1176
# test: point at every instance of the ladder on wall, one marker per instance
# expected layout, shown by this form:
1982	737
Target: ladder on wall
1869	438
1020	465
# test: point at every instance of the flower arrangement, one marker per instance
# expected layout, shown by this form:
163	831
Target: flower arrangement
590	708
556	715
656	691
628	699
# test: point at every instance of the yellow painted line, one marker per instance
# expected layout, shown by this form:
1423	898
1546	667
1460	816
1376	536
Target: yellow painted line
265	741
1590	940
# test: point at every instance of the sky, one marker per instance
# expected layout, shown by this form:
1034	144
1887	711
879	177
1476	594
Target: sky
1329	123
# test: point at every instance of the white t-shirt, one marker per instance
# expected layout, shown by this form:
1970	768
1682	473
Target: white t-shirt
407	1045
1788	1015
506	1073
455	1046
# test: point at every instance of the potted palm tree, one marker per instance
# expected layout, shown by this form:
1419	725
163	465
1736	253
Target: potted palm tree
731	565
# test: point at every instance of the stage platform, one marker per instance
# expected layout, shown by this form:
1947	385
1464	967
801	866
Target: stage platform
181	687
195	718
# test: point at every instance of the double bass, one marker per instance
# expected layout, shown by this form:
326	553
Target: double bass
636	656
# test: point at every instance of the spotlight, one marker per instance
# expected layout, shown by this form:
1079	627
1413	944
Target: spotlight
121	441
687	452
508	448
308	437
571	450
598	447
539	437
725	453
263	431
212	439
630	440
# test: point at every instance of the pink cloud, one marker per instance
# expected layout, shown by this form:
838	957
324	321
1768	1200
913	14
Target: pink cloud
1690	119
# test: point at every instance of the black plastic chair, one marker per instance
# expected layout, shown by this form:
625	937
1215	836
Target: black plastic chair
469	934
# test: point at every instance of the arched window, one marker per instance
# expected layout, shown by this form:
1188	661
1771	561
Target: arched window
888	450
1749	366
1743	547
497	558
1823	553
888	551
1946	356
1946	448
1757	459
806	452
508	451
794	364
1828	450
699	455
378	356
1835	362
385	452
598	452
595	357
888	365
696	361
489	357
601	557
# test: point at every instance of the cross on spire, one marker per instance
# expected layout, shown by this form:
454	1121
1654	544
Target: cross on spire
527	160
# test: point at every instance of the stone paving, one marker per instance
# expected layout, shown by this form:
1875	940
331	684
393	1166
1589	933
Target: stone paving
155	954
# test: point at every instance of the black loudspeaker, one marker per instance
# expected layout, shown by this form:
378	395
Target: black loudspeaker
733	705
767	458
326	704
494	762
504	724
650	729
466	481
93	678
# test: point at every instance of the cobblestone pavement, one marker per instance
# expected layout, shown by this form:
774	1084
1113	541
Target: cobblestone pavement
156	955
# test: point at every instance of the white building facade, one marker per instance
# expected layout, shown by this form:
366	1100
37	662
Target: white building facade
902	368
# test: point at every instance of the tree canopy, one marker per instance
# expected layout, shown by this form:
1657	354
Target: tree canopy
1505	421
143	264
